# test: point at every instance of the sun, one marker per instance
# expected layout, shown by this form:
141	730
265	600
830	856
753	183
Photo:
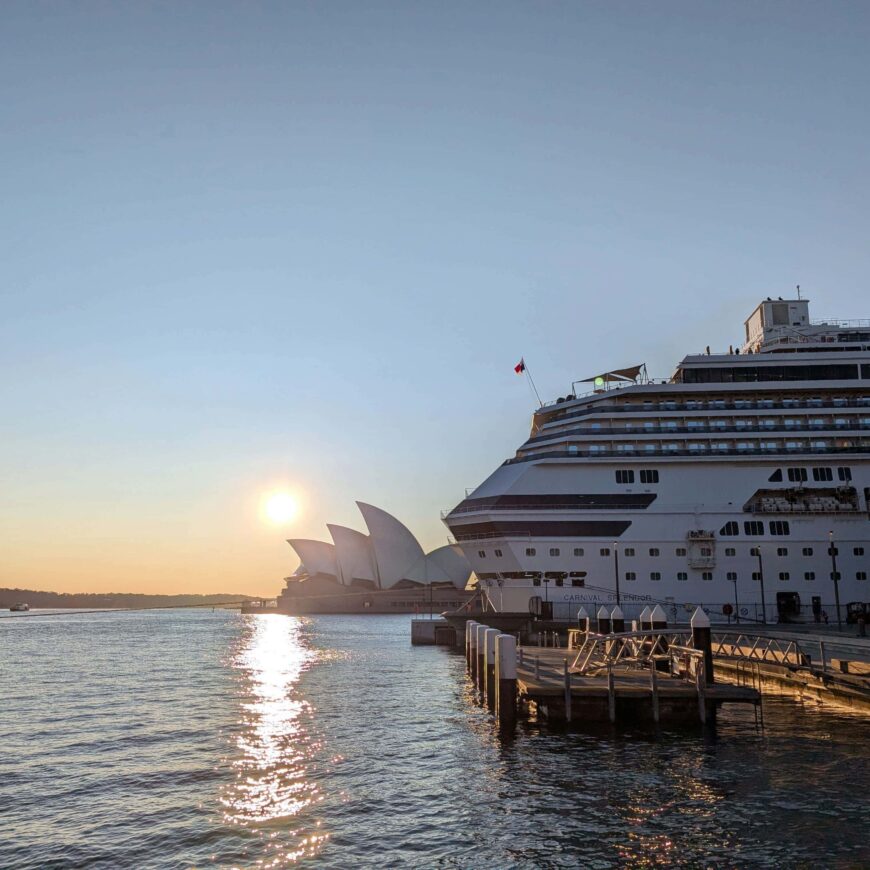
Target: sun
280	507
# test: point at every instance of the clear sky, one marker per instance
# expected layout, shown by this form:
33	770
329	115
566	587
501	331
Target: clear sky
253	245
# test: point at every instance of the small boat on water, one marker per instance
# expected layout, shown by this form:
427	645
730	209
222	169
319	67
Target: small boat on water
20	607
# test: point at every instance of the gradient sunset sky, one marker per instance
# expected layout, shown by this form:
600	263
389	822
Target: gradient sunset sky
253	246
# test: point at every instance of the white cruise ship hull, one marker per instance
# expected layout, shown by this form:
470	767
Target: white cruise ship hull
724	487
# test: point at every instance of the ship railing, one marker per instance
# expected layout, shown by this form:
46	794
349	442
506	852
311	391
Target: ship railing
703	430
719	405
709	452
860	323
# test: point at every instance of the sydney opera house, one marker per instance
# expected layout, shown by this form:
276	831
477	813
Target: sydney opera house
384	571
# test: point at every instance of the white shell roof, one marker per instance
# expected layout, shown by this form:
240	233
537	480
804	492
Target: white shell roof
317	557
396	550
353	553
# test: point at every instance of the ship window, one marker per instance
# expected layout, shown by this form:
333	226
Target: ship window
756	576
732	576
706	551
578	551
536	581
578	581
531	551
707	575
604	551
682	575
481	553
630	575
782	551
784	575
654	551
655	575
497	554
554	551
624	475
844	473
779	527
835	575
629	551
809	575
753	527
797	475
730	551
807	551
858	551
776	477
745	373
680	551
730	529
823	474
649	475
560	581
860	575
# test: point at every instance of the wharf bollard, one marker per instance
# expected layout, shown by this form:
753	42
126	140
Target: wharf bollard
702	641
611	694
617	626
659	622
489	658
603	618
480	632
506	680
617	620
643	623
469	646
583	620
567	692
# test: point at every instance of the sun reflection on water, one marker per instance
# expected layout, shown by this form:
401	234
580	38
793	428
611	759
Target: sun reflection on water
274	742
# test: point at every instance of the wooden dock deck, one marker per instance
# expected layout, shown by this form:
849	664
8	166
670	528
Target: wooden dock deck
619	694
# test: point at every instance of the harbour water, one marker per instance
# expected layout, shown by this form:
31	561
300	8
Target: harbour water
199	738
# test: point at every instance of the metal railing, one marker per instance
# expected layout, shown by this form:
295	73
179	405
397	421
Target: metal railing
661	452
703	429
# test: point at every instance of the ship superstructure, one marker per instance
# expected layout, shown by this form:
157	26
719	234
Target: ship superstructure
741	483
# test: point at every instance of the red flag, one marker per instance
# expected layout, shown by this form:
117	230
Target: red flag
520	367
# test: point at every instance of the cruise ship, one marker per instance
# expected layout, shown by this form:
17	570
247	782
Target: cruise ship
740	484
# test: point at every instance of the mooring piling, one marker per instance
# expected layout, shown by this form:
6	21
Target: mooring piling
702	641
506	679
469	643
480	650
490	636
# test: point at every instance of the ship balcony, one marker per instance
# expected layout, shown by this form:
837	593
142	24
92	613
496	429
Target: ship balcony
764	404
781	427
703	451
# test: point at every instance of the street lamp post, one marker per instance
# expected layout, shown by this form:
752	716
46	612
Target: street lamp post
761	581
616	569
835	576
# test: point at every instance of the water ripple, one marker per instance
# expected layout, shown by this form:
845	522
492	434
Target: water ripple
186	739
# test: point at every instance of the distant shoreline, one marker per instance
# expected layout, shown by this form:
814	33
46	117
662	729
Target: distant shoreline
79	600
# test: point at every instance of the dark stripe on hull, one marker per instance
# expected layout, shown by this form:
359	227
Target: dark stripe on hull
554	502
542	529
